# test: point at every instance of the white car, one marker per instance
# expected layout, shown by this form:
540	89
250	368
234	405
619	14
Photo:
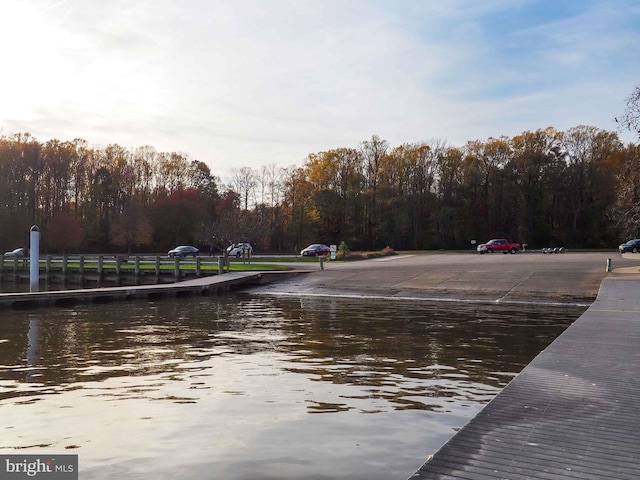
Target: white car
18	252
236	249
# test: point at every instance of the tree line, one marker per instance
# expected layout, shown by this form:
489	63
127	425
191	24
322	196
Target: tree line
543	188
577	188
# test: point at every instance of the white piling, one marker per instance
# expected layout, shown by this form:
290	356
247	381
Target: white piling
34	259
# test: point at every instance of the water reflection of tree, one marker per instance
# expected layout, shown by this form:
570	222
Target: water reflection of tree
408	352
411	355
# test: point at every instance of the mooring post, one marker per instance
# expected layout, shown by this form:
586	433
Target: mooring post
34	259
100	266
176	267
198	259
608	270
321	262
157	267
220	265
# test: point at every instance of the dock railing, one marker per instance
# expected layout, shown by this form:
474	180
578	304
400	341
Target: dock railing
74	268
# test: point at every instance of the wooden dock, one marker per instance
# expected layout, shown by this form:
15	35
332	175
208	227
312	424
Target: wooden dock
572	413
111	270
197	286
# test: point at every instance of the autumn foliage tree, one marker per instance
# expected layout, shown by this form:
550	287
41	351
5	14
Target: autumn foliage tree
543	187
63	233
132	228
177	219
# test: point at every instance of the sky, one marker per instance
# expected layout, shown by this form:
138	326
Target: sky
251	83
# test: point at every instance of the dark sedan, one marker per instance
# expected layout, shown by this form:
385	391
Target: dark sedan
184	251
316	250
632	246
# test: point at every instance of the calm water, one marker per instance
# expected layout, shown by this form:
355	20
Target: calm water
242	387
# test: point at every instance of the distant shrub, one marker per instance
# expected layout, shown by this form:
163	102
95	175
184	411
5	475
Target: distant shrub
385	252
344	249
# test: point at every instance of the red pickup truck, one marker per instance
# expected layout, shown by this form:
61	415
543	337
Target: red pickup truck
498	245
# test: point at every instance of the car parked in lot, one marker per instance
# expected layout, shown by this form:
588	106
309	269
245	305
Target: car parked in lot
184	251
632	246
315	250
236	249
18	252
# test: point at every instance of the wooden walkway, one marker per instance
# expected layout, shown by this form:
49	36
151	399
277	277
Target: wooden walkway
573	413
198	286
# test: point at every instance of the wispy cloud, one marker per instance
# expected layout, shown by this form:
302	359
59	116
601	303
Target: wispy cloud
249	83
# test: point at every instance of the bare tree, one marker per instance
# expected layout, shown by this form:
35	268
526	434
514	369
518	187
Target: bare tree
269	182
626	210
630	120
243	181
372	152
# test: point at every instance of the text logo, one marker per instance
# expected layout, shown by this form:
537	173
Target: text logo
49	467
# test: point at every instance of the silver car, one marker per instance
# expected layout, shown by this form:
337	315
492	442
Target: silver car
236	249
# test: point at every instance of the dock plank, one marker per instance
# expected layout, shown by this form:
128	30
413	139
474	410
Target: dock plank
573	412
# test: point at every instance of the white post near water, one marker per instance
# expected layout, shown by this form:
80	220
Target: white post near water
34	259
